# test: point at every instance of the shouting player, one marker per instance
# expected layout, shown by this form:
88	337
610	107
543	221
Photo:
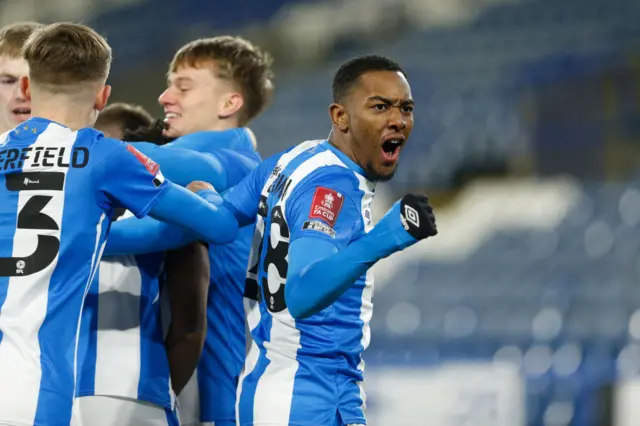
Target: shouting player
14	106
124	369
308	284
216	87
308	287
59	182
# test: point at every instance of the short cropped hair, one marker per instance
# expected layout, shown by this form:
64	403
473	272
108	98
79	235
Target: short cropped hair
14	36
237	60
66	54
350	71
127	117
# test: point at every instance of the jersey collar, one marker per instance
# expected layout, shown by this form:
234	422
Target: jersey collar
34	126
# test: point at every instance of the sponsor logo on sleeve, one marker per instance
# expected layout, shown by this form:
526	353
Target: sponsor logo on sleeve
316	225
147	162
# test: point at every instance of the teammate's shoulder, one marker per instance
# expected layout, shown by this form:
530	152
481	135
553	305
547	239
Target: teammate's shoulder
91	132
207	140
310	146
244	143
37	127
250	138
105	148
292	152
90	137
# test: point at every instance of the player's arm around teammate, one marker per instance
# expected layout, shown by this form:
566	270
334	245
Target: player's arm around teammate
187	280
186	159
132	236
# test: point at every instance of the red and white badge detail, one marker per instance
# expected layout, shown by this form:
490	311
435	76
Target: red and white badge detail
147	162
326	205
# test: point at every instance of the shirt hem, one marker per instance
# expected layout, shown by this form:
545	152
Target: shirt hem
151	204
157	401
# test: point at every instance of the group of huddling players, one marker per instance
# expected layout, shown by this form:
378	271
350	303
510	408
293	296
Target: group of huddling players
176	277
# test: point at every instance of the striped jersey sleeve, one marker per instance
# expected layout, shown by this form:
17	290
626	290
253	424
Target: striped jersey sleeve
126	178
326	206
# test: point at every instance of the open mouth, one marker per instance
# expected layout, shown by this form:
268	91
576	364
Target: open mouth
391	149
22	113
170	116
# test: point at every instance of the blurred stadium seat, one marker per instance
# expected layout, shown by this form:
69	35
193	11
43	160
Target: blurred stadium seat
563	303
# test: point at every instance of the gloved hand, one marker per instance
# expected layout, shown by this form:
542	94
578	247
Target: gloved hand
151	134
408	221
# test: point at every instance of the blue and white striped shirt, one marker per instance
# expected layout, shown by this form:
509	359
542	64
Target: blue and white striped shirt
121	351
58	188
303	371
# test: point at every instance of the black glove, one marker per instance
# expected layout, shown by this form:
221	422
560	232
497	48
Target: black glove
408	221
151	134
416	215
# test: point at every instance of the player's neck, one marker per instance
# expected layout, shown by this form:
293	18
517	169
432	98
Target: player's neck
220	125
73	119
343	145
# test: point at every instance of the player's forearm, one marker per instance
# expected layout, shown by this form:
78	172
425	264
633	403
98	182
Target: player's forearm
140	236
148	235
182	166
313	285
184	353
205	216
184	349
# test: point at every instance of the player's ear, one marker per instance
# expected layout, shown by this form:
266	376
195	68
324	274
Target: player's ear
230	105
339	117
25	87
102	98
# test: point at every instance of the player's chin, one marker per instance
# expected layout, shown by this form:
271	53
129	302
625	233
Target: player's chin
386	172
19	118
171	133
